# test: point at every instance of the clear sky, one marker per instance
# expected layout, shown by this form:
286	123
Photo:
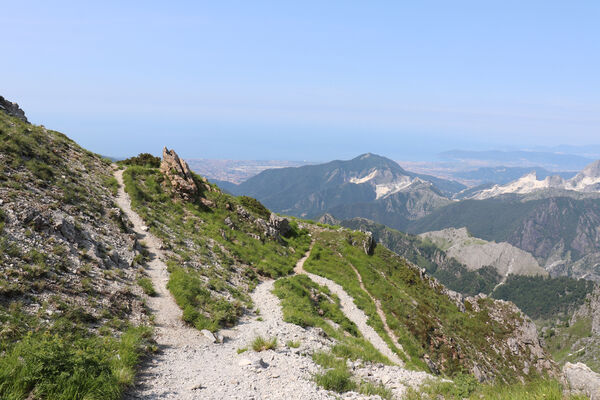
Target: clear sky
305	80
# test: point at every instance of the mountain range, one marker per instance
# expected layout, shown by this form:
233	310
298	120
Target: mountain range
586	181
367	181
554	219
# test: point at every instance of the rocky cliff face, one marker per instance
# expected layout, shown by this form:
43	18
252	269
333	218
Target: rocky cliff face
12	109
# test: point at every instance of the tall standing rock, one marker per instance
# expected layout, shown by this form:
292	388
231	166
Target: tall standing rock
178	173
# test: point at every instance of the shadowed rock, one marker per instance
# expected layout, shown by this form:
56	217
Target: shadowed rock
12	109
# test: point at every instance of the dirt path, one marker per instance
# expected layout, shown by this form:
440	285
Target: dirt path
351	311
380	312
190	365
171	331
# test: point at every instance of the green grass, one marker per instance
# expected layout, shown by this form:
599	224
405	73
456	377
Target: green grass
337	379
293	344
262	344
561	341
213	267
418	312
147	286
69	363
375	389
306	303
201	308
539	389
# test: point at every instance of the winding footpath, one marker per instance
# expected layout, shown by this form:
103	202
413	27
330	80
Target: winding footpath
192	366
380	312
352	312
189	365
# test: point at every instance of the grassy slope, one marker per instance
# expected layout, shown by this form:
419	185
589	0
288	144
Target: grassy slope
212	266
425	254
72	346
424	319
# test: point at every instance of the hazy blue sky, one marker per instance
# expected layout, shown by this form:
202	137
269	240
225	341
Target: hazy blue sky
313	80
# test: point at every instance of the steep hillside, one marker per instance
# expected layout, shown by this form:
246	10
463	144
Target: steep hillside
442	330
561	232
71	315
312	190
448	270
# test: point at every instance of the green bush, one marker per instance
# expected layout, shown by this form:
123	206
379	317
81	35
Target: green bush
200	308
143	160
337	380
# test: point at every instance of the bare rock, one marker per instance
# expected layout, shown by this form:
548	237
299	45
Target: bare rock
209	335
179	174
12	109
582	379
279	224
369	244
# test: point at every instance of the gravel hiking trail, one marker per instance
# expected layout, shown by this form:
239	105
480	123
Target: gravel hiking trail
354	313
192	365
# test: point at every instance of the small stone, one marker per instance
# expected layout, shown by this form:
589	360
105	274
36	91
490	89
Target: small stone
196	386
144	228
244	362
209	335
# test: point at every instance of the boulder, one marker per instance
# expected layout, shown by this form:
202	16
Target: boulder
582	379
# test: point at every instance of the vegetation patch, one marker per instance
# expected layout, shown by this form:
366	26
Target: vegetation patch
146	284
142	160
464	387
64	360
544	297
216	253
262	344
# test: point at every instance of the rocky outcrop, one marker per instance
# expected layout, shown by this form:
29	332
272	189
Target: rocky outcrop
278	226
328	219
369	243
179	175
582	380
12	109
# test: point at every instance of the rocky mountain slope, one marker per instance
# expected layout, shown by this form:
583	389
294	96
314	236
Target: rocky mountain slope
375	181
560	232
502	175
425	254
68	265
477	253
